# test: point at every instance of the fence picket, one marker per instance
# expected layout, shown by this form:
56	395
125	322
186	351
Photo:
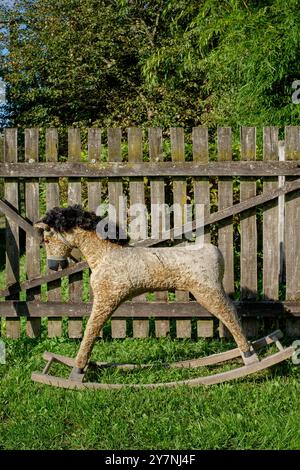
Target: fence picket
12	262
137	196
94	186
276	216
225	232
116	199
74	197
52	200
32	212
183	327
270	221
248	258
205	328
158	223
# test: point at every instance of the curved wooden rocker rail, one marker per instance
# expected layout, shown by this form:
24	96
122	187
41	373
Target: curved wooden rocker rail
76	381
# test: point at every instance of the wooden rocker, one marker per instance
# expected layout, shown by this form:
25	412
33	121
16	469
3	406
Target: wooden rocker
120	272
76	379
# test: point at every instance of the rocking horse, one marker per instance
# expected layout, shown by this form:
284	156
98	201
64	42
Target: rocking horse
119	272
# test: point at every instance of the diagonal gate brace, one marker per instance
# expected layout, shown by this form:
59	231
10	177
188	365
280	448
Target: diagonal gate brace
148	242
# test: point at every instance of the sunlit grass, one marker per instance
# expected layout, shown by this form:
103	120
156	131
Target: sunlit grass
258	412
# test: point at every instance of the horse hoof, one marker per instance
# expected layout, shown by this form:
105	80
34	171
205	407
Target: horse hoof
249	357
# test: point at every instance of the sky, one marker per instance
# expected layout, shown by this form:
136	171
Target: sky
7	2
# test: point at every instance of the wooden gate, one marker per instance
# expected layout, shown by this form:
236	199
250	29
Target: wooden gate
250	195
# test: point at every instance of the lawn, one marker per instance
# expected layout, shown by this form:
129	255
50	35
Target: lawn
259	412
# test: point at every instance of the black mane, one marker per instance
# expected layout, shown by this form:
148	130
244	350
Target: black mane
63	219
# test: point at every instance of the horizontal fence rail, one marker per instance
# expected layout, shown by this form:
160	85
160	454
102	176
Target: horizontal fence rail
128	169
250	200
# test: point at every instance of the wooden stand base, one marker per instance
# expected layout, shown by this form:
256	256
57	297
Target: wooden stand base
76	380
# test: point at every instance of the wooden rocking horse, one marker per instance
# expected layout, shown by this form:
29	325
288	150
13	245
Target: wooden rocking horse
120	272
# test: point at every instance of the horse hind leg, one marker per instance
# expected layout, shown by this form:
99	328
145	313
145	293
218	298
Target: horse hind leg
216	301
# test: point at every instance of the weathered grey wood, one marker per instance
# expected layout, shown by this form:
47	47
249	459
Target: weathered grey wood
52	200
115	185
248	259
212	218
33	326
226	213
206	380
13	326
8	209
94	155
137	196
74	197
140	328
270	221
116	200
205	328
202	204
213	359
124	169
158	223
210	360
118	328
53	276
281	215
162	328
162	310
292	228
201	184
94	185
183	327
225	199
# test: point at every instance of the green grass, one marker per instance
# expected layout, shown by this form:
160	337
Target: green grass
259	412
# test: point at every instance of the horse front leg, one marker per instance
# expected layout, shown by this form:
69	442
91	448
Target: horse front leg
103	306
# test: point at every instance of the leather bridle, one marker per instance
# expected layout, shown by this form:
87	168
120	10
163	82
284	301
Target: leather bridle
55	261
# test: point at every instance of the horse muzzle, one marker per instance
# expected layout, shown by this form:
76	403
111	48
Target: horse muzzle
55	263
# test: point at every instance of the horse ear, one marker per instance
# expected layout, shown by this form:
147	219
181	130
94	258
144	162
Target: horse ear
42	226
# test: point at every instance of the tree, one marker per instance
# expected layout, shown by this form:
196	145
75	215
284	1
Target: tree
158	63
241	57
76	61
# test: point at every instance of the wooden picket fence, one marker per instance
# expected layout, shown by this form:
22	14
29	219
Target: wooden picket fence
252	212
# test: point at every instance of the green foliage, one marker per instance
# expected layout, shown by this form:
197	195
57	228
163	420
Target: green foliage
161	63
75	62
242	57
